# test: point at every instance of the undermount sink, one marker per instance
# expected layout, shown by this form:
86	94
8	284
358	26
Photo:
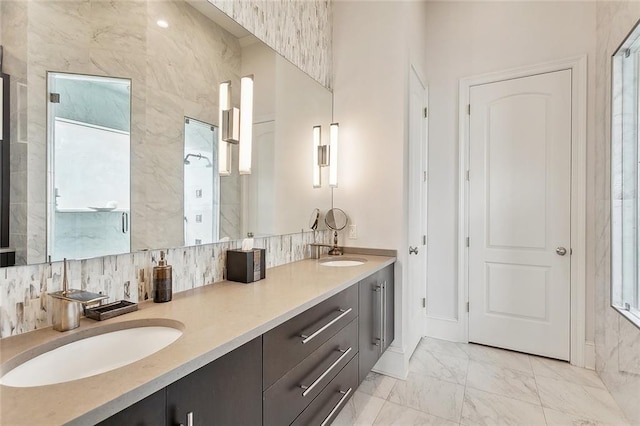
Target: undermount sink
102	351
345	261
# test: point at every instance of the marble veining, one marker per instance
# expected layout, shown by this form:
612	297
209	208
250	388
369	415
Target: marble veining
616	340
24	305
554	393
298	30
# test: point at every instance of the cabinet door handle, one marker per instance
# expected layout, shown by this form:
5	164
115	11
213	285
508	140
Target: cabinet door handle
381	317
345	395
383	311
189	419
307	338
309	388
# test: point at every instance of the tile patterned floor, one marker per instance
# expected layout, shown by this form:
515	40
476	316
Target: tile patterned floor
466	384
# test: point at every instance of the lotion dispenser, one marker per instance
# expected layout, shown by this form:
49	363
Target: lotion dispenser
162	281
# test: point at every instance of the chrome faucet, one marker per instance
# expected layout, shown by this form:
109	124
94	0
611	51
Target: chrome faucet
68	304
315	250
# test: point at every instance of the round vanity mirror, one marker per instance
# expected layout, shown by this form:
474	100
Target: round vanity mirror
313	221
336	219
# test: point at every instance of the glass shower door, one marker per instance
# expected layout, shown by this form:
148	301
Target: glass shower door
89	166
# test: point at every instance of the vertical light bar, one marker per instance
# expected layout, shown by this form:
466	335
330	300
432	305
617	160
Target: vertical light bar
333	155
246	124
224	150
316	166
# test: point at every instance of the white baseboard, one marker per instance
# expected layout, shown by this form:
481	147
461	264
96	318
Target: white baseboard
445	329
394	362
590	355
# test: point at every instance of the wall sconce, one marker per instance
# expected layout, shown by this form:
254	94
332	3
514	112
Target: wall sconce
333	155
316	156
246	124
236	126
224	150
325	155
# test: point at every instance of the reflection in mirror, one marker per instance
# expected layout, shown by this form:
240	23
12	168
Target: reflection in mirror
336	219
315	216
201	183
174	71
89	144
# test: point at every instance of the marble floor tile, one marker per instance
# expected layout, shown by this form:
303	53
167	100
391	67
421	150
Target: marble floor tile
377	385
362	409
500	357
558	418
502	381
587	401
438	365
560	370
397	415
483	408
444	347
433	396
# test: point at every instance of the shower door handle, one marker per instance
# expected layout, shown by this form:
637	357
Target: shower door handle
125	222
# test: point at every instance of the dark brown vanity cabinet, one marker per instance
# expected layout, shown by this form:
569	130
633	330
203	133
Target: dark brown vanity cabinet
376	295
228	391
304	356
148	412
302	372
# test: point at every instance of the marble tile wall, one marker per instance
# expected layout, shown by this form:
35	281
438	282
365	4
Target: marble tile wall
617	340
14	40
301	31
25	307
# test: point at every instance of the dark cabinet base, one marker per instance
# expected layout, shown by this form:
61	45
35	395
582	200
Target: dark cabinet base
226	392
150	411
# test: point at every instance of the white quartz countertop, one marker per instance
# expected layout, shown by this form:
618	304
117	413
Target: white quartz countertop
215	320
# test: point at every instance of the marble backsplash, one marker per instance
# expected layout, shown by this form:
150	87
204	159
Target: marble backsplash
24	305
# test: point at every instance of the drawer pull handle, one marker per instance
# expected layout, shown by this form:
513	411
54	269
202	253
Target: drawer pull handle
309	388
345	395
307	338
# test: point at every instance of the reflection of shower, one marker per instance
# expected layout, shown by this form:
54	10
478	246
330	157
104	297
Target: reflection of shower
199	157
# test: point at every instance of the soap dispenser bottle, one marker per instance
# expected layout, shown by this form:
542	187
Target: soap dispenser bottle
162	281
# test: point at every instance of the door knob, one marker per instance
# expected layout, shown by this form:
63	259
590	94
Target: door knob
413	250
561	251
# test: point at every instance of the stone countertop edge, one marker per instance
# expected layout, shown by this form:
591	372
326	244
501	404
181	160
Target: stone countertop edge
207	335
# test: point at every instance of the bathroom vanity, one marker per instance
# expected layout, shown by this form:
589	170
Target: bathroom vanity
241	358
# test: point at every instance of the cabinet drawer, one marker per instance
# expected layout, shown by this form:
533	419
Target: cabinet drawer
324	409
283	346
287	397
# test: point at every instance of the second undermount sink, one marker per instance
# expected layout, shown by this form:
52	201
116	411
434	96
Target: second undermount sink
342	262
92	355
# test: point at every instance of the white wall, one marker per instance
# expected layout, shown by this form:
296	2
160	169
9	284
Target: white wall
374	43
470	38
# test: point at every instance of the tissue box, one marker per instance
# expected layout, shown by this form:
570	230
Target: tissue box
246	266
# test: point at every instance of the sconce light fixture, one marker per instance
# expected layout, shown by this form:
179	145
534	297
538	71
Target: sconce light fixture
333	155
246	124
325	155
224	150
316	156
236	126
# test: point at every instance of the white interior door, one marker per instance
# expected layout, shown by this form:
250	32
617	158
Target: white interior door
417	261
520	214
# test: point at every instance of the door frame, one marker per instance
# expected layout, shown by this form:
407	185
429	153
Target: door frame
578	67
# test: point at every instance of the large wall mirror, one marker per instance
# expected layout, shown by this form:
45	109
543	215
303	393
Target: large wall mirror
134	86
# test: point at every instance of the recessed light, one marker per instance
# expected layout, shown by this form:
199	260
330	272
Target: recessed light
162	23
